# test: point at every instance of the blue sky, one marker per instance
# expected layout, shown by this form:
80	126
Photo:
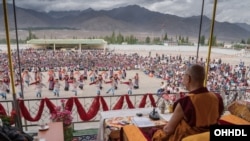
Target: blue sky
227	10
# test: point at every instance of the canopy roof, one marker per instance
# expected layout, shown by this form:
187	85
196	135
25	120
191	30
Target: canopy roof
67	41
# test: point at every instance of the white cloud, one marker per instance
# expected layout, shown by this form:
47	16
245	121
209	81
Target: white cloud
227	10
234	11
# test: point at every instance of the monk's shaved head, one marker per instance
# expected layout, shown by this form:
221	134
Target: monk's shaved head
197	73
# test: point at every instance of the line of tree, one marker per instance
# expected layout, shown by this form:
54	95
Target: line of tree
119	39
131	39
3	41
29	37
245	42
203	41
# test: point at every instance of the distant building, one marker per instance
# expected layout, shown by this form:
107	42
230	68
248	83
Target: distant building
124	43
68	44
170	43
228	45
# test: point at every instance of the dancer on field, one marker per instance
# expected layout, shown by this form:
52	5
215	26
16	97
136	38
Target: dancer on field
6	80
124	73
66	82
136	81
71	74
93	74
105	74
18	85
98	83
60	74
130	85
26	77
111	72
81	80
75	85
38	87
51	82
77	73
112	85
85	74
56	89
116	79
39	76
3	89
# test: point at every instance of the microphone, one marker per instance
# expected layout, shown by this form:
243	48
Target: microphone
154	115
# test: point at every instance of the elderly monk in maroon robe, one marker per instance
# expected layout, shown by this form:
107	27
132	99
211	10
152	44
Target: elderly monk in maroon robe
193	113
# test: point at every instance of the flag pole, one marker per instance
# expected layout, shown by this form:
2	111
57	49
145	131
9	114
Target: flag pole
15	102
210	42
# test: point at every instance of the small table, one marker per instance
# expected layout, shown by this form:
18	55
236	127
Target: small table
112	126
125	113
54	133
117	113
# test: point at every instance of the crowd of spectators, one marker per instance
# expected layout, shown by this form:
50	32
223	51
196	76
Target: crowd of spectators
221	76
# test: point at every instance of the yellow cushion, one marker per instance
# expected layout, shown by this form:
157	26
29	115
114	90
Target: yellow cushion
240	109
198	137
234	120
132	133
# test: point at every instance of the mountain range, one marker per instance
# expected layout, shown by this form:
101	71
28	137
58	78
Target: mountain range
127	19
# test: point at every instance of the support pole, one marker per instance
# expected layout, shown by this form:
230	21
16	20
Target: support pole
18	53
210	42
199	38
15	102
105	47
80	47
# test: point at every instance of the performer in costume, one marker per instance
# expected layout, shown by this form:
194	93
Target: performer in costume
111	72
77	73
116	79
119	74
75	85
51	82
18	84
6	80
85	73
66	80
93	76
51	72
71	74
60	73
124	73
136	81
38	87
98	83
3	89
26	77
105	74
64	72
56	89
81	80
112	85
130	85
